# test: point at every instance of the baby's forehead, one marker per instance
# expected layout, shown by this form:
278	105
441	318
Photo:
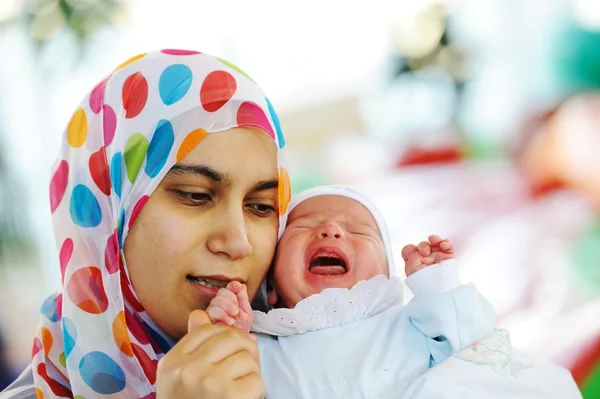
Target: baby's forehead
325	206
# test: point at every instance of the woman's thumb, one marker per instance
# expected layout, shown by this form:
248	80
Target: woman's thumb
198	318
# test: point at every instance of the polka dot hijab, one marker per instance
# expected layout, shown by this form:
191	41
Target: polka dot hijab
94	337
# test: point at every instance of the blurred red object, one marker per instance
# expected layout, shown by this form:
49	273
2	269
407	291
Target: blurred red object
420	156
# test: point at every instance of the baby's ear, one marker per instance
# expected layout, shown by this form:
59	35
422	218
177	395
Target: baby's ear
272	296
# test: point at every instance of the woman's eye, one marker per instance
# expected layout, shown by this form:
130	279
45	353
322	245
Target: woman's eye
262	209
194	198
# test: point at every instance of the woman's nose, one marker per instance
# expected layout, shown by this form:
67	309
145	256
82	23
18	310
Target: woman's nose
230	237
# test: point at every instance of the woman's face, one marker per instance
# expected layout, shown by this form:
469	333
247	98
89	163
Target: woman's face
212	219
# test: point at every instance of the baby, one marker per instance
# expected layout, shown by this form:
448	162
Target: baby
339	327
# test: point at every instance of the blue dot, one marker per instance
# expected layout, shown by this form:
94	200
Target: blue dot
275	119
120	227
174	83
85	209
160	148
101	373
115	172
49	308
69	335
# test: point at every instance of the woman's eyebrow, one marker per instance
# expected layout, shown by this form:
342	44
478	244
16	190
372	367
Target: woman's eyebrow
218	177
264	185
202	171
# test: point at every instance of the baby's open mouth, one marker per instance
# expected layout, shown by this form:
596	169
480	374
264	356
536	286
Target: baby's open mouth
327	263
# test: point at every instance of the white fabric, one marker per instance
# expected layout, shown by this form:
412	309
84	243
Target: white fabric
349	192
332	307
435	279
377	356
492	369
336	306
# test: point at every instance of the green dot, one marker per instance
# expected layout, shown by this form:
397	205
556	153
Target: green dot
230	65
61	360
134	154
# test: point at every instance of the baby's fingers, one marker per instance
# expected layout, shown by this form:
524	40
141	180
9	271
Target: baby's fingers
424	248
435	239
227	301
219	315
447	246
244	301
407	251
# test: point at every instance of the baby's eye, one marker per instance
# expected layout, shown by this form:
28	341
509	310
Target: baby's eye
360	233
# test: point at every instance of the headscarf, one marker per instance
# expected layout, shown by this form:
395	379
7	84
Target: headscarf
353	194
94	336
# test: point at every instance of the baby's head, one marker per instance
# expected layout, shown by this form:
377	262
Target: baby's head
334	237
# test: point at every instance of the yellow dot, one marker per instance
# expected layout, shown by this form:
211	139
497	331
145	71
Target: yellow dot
46	341
131	61
77	129
285	191
190	142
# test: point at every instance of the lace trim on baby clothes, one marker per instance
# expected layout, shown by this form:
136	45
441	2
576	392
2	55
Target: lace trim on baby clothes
331	308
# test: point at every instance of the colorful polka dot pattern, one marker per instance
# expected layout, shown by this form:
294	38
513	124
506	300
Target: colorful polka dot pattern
94	337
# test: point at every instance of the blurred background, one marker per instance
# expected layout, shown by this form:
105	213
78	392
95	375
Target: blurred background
474	119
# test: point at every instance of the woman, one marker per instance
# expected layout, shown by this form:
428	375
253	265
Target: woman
152	213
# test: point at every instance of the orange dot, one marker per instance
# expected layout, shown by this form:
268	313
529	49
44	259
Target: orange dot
285	191
77	129
46	340
121	335
39	394
190	142
131	61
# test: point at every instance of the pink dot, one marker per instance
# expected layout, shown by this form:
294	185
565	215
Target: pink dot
59	301
250	114
66	251
109	121
37	346
97	97
112	254
179	52
58	185
137	209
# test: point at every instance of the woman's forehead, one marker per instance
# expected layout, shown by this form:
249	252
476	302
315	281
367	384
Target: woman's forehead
236	154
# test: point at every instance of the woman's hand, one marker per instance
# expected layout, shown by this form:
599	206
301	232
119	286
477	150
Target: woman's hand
211	362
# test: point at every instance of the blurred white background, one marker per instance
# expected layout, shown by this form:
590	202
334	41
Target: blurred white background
420	103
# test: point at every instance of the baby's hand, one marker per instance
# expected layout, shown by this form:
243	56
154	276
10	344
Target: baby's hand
231	307
426	254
